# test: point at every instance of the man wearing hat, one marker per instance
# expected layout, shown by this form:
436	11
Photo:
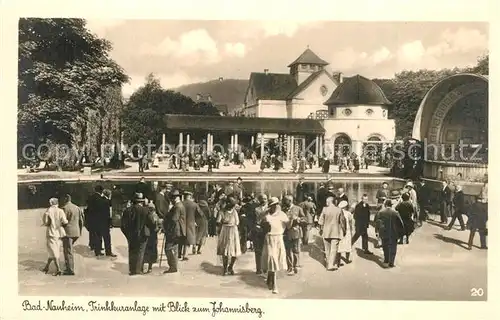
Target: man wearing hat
309	208
362	223
193	212
173	229
136	224
293	233
300	190
382	194
257	235
413	197
389	226
332	229
245	214
321	197
459	208
445	196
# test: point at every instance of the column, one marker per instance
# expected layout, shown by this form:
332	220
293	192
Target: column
287	148
232	142
236	145
261	145
316	146
163	142
211	142
180	146
188	141
292	147
320	146
252	141
208	143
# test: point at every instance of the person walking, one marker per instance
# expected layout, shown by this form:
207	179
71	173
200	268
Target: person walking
445	202
92	214
202	225
172	229
54	220
257	235
309	209
362	223
300	190
151	251
103	225
345	244
73	230
274	253
228	245
136	225
293	233
192	213
458	208
478	221
390	228
332	229
406	210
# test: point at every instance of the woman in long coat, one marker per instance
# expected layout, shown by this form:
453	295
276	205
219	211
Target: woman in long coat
202	225
345	244
151	253
54	219
228	245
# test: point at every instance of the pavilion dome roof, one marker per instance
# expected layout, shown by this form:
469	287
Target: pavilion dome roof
358	90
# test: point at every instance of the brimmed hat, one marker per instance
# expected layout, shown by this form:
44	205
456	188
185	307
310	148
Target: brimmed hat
187	193
331	186
273	201
395	193
139	197
410	184
343	204
175	193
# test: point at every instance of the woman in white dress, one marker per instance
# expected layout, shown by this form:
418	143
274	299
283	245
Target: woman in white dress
54	219
274	254
345	244
228	245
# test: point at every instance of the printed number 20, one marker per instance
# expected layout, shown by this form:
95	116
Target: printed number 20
476	292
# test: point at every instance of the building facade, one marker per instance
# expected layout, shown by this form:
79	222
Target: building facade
353	111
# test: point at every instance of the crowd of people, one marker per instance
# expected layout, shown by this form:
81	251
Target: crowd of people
274	228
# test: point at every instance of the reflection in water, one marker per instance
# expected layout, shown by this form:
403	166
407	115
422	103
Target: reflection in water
37	195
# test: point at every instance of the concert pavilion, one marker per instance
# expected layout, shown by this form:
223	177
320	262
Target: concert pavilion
455	110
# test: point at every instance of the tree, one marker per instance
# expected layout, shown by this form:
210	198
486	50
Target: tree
64	73
145	110
482	66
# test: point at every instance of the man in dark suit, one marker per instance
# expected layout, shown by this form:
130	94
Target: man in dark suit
173	231
459	208
161	202
423	197
143	188
341	196
93	213
136	225
321	197
444	202
103	225
74	215
300	191
362	222
390	227
193	212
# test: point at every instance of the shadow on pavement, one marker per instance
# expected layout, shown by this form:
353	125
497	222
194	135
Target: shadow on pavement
370	257
84	251
121	251
32	265
210	268
252	279
121	267
315	250
437	224
457	242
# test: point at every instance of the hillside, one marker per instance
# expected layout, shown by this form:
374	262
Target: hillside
230	92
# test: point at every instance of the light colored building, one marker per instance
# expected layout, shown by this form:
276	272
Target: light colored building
353	111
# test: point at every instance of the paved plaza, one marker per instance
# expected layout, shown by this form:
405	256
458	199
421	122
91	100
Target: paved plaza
132	170
434	266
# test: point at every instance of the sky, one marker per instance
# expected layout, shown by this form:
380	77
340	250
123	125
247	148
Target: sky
183	52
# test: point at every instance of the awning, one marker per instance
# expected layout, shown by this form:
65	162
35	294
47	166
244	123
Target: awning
243	124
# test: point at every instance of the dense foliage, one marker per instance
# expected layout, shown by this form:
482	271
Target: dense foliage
143	116
65	76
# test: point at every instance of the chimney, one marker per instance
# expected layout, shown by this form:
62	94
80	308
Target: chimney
198	97
266	71
341	77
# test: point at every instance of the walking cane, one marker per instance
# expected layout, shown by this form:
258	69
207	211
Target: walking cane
162	249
